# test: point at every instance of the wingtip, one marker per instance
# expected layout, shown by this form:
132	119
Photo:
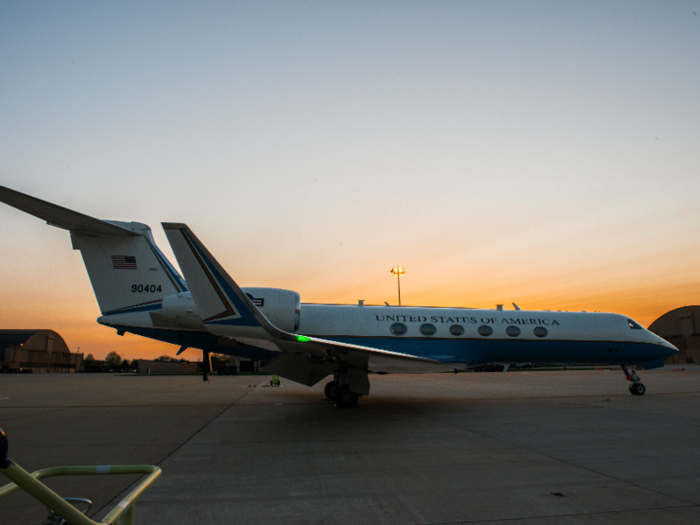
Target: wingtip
174	226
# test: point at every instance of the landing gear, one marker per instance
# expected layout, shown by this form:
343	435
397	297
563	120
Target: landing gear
636	388
338	390
330	390
345	398
348	384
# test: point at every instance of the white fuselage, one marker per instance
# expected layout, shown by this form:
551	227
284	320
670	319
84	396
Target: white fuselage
451	335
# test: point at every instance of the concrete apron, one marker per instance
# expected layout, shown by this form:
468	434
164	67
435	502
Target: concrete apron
534	447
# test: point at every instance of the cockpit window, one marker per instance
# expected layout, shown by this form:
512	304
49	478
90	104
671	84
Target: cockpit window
633	325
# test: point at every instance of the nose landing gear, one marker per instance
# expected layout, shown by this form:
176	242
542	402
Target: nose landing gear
636	388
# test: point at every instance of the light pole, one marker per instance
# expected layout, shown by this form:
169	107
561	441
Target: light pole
398	271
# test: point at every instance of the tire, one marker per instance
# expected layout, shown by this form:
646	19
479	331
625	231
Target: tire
330	389
638	389
345	398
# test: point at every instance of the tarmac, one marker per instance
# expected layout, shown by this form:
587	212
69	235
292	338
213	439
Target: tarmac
524	448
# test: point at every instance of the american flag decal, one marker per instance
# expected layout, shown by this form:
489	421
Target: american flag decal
124	262
257	302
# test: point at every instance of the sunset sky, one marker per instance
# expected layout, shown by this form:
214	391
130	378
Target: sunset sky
542	153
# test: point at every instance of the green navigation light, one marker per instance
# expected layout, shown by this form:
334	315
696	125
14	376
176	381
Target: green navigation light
303	338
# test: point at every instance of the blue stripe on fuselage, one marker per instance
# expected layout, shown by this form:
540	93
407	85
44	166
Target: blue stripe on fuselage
476	351
131	309
469	351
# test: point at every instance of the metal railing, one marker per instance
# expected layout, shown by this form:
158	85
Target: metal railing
61	508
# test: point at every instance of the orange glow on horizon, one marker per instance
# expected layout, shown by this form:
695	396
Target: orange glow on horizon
314	149
645	304
640	285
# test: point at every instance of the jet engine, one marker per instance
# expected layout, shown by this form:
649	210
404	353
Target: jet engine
281	307
178	310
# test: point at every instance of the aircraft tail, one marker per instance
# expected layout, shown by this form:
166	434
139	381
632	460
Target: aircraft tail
126	268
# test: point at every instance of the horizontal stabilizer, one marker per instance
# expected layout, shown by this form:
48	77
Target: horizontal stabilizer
59	216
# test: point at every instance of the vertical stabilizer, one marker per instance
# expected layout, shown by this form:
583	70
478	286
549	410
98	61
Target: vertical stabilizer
126	268
127	272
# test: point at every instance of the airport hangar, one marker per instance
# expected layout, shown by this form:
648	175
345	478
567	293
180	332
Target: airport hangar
681	328
37	351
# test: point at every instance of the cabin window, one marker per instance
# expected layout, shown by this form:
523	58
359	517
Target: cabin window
485	330
540	331
428	329
456	329
398	328
513	331
633	325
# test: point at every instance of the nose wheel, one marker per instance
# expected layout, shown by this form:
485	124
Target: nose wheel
636	388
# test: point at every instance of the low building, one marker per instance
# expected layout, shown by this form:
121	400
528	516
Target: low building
681	328
38	351
166	367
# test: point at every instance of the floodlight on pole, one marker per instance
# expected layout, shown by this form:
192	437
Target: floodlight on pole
398	271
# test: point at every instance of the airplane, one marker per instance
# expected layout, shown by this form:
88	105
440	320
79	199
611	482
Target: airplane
139	291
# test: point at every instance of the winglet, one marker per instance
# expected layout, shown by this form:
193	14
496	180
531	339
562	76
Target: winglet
59	216
218	298
221	301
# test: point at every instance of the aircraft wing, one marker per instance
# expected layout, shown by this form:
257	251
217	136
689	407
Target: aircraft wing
307	360
59	216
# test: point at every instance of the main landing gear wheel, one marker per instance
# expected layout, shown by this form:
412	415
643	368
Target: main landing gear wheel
345	398
330	389
637	389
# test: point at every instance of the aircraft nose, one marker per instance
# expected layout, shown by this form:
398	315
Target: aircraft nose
670	349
